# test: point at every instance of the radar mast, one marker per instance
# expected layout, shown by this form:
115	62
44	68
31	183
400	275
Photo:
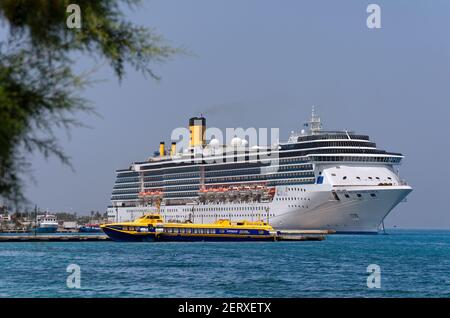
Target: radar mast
315	125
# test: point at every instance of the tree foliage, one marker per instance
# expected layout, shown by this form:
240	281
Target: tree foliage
38	87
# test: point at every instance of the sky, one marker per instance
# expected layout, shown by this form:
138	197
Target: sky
261	63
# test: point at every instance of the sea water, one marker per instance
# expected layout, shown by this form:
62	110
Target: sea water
411	264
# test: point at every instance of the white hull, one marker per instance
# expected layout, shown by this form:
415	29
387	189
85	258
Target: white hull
352	215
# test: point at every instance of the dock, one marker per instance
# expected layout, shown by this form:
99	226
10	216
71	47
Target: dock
283	235
54	238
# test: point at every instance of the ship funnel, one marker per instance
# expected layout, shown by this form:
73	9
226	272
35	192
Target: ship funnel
173	148
197	130
161	149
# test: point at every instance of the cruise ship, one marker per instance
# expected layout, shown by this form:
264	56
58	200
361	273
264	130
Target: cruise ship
317	179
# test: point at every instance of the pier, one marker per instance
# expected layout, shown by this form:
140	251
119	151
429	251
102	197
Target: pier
53	238
285	235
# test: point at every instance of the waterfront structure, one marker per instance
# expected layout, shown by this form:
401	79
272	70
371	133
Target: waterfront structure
317	179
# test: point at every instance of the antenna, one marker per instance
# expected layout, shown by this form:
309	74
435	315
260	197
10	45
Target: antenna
314	124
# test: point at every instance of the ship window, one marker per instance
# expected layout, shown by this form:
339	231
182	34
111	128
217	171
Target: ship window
347	196
358	178
373	195
359	195
344	177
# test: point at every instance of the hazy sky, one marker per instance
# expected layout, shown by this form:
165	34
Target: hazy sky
263	64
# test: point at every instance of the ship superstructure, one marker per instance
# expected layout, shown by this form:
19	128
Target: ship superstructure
334	180
46	223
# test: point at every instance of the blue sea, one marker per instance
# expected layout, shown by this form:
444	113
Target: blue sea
412	264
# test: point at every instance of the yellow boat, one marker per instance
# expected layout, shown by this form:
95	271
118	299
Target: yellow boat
141	230
151	227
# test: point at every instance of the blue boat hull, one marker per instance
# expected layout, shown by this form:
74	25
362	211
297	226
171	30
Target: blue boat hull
216	238
119	236
46	229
